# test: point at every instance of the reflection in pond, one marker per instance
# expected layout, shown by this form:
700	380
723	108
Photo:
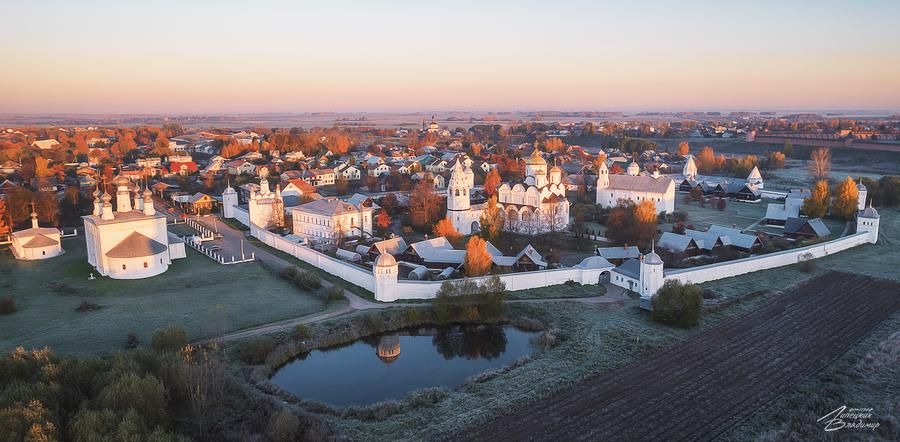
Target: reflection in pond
401	362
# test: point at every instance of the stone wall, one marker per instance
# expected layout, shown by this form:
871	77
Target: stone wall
341	269
737	267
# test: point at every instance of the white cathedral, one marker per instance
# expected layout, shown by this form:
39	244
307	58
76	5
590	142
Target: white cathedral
532	206
635	186
130	242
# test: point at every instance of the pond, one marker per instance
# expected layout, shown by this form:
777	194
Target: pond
390	366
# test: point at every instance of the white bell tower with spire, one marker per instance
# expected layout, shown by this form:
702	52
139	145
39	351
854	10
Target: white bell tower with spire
229	200
459	205
652	275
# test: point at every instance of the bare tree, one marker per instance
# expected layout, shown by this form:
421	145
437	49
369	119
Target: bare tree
820	163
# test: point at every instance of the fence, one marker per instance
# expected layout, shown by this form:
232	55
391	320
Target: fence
737	267
206	234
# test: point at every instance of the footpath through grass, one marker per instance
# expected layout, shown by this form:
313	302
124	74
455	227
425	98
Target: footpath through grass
195	292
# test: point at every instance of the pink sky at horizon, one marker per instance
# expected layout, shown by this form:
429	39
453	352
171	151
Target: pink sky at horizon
831	59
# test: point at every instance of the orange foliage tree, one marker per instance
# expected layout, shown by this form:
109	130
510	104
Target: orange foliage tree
845	199
383	221
630	223
684	148
4	218
491	220
491	183
478	261
446	229
816	206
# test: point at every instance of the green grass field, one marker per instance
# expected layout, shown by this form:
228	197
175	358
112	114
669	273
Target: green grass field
195	293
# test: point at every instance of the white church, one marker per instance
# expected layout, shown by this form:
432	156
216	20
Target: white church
532	206
635	186
130	242
37	242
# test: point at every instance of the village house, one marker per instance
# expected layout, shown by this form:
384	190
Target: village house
805	228
240	167
329	218
45	144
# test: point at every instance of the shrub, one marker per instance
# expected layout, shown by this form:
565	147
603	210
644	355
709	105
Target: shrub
283	426
301	332
132	341
307	280
169	339
7	306
254	351
289	272
412	316
334	293
86	306
678	304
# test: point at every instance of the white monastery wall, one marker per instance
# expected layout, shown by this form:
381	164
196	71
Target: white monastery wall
698	275
336	267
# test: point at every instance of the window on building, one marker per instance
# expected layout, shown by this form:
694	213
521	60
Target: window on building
123	266
145	265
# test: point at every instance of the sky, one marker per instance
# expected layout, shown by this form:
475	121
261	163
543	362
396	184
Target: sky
161	56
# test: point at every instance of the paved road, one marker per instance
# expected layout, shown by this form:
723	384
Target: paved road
698	388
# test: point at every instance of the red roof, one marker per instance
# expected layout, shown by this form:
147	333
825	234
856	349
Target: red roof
304	187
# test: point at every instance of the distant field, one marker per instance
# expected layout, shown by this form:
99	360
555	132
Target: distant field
195	292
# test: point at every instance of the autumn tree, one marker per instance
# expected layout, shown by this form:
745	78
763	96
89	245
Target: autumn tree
820	163
425	206
18	205
630	223
4	218
491	183
478	261
383	221
41	170
491	220
776	160
816	206
555	144
47	207
707	160
389	203
231	149
845	199
684	148
446	229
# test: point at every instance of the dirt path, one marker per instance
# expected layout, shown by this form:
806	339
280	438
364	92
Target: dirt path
700	387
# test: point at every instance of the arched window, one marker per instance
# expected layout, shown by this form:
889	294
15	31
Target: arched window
457	192
145	265
123	266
